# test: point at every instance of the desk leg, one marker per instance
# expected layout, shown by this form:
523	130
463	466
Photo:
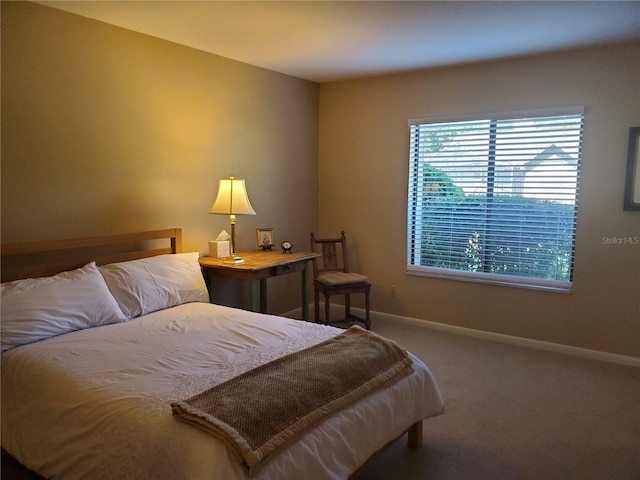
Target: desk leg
263	295
207	281
305	294
257	296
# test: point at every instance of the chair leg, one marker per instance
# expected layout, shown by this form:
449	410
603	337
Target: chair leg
347	306
367	318
327	305
316	312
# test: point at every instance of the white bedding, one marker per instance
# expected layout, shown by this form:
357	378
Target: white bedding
96	403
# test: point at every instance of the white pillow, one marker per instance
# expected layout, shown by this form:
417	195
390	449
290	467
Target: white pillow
155	283
37	308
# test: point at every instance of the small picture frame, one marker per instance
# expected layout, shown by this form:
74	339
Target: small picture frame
265	237
632	185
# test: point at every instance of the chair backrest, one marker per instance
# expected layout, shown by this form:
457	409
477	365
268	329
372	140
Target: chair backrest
334	254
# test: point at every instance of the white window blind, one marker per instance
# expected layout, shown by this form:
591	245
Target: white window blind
494	198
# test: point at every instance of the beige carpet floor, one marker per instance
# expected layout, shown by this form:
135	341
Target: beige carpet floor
517	413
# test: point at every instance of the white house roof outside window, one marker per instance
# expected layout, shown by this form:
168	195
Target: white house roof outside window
520	172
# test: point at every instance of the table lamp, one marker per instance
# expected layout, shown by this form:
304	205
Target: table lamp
232	200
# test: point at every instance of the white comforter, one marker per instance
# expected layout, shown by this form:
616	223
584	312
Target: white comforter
96	403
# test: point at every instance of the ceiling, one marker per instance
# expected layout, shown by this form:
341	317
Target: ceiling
335	40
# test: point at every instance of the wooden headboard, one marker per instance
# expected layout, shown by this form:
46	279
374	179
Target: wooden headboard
39	259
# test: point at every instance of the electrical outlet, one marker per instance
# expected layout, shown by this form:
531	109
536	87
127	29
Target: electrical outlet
393	290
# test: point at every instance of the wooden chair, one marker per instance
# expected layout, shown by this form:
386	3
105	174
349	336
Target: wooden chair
332	277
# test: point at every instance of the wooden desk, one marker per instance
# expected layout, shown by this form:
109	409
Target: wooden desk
258	266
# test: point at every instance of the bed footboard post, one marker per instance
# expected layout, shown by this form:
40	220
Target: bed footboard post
414	435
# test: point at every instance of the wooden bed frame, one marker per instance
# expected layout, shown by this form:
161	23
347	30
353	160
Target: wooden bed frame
44	258
41	259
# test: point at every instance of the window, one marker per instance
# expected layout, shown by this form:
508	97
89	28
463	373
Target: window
494	198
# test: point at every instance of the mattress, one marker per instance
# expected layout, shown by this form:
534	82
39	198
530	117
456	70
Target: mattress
96	403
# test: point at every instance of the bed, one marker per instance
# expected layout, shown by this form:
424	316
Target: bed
91	379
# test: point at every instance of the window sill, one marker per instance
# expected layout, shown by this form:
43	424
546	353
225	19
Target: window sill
492	279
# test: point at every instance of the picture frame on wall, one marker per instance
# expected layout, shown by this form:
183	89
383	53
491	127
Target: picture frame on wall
266	238
632	183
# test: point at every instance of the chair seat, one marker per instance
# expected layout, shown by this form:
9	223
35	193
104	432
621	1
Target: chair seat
341	278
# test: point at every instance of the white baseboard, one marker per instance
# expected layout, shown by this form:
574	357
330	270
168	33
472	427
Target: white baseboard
498	337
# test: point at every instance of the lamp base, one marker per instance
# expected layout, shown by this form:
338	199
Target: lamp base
236	260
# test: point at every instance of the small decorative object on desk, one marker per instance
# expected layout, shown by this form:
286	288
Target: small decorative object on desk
265	237
286	246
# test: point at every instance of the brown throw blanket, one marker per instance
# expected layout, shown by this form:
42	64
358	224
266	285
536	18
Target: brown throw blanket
260	410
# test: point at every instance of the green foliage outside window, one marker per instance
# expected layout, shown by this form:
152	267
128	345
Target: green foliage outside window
542	249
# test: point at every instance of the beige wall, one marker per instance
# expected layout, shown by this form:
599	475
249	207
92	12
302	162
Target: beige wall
363	185
106	130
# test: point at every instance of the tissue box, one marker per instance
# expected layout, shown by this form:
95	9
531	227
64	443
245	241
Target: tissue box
219	248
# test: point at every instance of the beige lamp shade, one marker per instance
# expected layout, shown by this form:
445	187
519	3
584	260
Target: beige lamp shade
232	198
